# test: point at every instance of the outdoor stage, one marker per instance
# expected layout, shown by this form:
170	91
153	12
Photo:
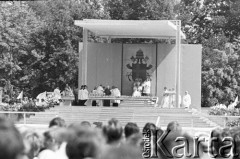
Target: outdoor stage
175	66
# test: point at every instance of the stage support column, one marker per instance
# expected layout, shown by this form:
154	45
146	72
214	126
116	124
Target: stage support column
178	48
84	57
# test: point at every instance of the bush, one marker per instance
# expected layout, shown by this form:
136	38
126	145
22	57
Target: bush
223	110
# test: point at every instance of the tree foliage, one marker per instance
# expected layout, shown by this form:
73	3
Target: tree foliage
214	24
39	42
17	23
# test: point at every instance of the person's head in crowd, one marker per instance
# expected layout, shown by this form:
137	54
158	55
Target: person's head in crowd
85	124
149	127
55	136
174	126
165	88
58	122
157	132
11	142
85	143
130	129
33	143
82	87
217	136
50	142
172	133
235	133
135	140
113	131
98	125
85	87
122	152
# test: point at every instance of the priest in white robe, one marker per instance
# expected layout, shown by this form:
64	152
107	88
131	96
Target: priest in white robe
186	100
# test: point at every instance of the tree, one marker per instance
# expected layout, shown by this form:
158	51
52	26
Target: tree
57	42
140	9
210	23
17	23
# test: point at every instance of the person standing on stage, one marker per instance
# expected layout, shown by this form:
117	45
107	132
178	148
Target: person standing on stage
116	93
171	98
83	95
165	100
100	92
186	100
107	92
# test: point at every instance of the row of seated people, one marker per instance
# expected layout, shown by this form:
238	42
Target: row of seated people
112	141
83	95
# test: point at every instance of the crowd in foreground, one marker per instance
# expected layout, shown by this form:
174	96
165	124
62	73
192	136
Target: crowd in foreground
112	141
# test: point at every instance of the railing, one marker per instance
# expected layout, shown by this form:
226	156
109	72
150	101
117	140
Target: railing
28	113
124	98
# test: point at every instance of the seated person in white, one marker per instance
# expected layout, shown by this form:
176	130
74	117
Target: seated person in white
100	92
136	92
186	100
146	87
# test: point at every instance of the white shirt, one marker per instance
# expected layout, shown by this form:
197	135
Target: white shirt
57	93
116	93
47	154
61	152
186	100
147	87
83	94
136	93
100	90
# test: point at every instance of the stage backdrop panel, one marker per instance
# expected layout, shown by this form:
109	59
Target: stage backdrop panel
190	70
139	61
166	68
104	64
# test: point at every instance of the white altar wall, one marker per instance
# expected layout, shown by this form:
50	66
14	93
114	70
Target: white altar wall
191	58
106	64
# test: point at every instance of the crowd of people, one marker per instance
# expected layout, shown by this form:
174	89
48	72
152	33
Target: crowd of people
169	99
81	96
112	141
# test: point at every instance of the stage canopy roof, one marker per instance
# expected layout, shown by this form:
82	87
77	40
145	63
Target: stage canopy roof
152	29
